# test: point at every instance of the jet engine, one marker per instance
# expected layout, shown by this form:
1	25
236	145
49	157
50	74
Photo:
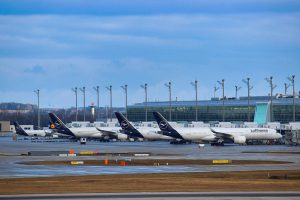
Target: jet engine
122	136
49	132
239	139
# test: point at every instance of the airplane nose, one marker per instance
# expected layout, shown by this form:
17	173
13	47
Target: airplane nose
279	135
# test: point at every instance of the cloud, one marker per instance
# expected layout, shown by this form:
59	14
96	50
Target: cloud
60	75
132	36
37	69
58	52
140	7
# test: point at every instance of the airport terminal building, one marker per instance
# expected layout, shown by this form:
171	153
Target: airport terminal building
235	110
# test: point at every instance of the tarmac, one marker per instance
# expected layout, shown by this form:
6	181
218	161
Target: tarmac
10	157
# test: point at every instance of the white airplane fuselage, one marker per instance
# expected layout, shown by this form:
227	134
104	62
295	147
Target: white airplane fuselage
86	132
206	133
36	133
115	130
196	134
43	133
251	133
152	133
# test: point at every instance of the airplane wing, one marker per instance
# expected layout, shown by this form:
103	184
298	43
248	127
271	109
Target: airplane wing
235	138
112	134
221	134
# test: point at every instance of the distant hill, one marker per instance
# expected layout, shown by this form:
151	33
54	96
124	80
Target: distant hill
17	106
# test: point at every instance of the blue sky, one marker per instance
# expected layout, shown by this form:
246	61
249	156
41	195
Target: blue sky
55	45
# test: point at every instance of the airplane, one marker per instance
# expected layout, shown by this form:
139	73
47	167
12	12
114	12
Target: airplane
216	136
105	133
201	135
84	132
242	135
33	133
149	133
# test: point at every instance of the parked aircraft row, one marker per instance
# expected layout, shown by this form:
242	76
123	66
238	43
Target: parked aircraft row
165	131
35	133
214	134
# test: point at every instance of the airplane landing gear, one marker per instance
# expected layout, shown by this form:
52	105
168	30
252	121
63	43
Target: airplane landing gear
180	142
82	140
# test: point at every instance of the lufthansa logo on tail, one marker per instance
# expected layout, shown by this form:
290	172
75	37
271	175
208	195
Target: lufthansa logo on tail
163	125
52	126
124	124
57	125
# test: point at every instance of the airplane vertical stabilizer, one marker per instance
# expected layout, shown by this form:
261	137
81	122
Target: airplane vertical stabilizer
165	127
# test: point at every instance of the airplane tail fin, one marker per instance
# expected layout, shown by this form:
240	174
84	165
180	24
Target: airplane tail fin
124	123
162	122
59	125
165	127
19	129
126	126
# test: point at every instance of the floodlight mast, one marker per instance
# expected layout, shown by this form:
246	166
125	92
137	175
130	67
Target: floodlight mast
286	87
272	87
146	100
75	91
168	85
195	85
223	108
97	92
215	90
292	80
38	96
109	88
83	92
237	88
249	88
125	90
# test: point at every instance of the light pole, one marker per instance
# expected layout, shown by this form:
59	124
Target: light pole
272	87
75	91
83	92
38	96
176	110
146	100
168	85
247	82
286	86
195	85
110	92
215	90
97	91
237	88
223	109
125	90
292	79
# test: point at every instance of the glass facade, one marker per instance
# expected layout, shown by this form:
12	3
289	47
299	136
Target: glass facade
284	113
208	111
